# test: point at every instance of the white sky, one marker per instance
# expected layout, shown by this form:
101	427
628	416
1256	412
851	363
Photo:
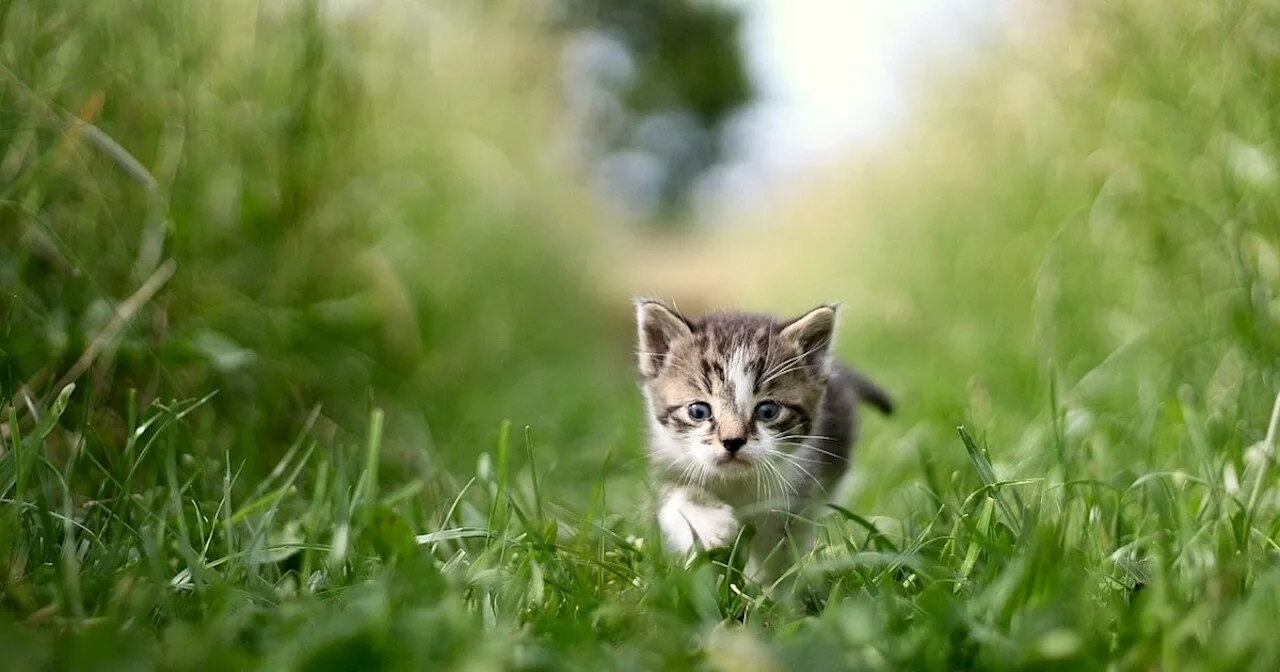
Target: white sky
832	75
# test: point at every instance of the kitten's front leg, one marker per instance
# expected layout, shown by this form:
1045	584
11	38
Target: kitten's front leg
770	553
782	539
687	514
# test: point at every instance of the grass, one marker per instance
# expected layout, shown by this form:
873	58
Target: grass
366	412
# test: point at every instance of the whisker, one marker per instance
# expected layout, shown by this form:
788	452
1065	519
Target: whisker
781	365
768	483
781	478
791	486
679	365
776	453
814	448
789	361
772	374
813	437
797	465
763	469
785	481
763	487
755	472
792	456
686	476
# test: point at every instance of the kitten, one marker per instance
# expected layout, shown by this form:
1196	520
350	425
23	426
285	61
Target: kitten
749	420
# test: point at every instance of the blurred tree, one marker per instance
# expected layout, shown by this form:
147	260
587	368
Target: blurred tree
652	83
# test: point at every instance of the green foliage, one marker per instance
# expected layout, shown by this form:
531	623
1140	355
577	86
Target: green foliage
687	59
1095	233
1089	283
308	212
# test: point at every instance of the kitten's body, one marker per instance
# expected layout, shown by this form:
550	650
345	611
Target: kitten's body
778	429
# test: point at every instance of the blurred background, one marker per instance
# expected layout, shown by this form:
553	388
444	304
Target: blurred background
442	209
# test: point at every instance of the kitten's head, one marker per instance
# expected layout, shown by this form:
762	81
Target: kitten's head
729	395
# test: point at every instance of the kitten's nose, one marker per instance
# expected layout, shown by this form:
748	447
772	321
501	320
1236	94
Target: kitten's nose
732	445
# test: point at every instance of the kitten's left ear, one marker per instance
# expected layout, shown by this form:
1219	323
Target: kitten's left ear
658	327
813	333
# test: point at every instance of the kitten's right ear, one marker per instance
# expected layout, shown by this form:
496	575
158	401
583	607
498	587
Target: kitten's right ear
814	334
658	327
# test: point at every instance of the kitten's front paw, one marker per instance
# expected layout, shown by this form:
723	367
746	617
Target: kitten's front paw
718	527
684	521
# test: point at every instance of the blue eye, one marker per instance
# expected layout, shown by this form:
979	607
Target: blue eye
699	411
768	411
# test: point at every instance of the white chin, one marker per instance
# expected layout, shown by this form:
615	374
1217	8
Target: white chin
731	469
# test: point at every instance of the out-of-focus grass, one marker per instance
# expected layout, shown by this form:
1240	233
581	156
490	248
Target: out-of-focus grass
1075	256
354	211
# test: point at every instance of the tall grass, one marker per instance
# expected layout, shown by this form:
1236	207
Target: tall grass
341	247
320	211
1096	223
